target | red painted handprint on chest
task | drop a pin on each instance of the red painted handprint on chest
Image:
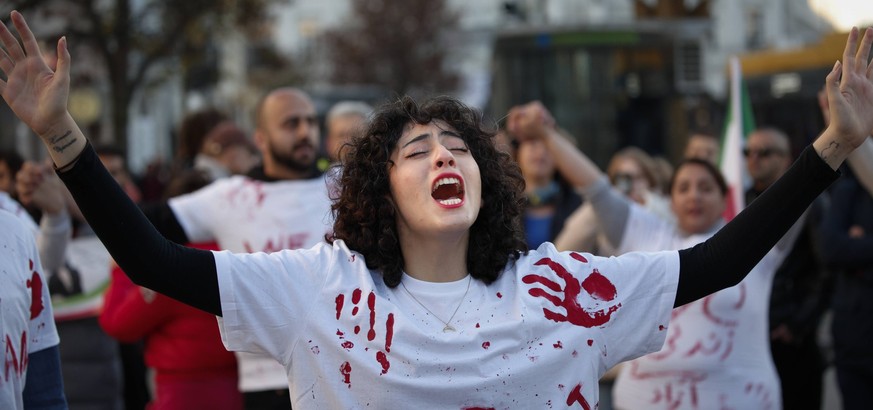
(587, 310)
(381, 357)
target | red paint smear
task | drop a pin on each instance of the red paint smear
(348, 345)
(578, 257)
(356, 296)
(346, 371)
(590, 342)
(477, 325)
(576, 397)
(357, 329)
(35, 285)
(340, 300)
(389, 332)
(486, 345)
(558, 345)
(661, 328)
(478, 408)
(599, 287)
(340, 333)
(382, 358)
(371, 303)
(499, 295)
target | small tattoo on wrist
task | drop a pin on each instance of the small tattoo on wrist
(832, 146)
(60, 148)
(57, 139)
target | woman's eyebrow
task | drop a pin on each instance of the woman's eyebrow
(447, 133)
(416, 139)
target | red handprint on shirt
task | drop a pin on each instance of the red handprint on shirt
(598, 288)
(381, 357)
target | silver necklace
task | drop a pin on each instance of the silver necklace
(449, 327)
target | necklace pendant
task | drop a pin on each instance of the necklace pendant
(449, 329)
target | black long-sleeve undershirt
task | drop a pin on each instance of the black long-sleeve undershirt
(182, 273)
(189, 275)
(164, 220)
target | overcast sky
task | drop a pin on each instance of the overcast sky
(845, 13)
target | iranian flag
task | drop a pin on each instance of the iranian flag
(739, 123)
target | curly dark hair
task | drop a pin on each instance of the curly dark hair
(366, 220)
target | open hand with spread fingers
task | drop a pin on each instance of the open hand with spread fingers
(36, 93)
(849, 88)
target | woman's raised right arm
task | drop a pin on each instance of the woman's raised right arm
(38, 95)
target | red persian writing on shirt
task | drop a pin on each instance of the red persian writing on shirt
(710, 335)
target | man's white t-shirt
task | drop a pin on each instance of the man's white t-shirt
(717, 351)
(52, 234)
(26, 324)
(540, 336)
(13, 207)
(246, 215)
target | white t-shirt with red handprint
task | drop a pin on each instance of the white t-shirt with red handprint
(717, 352)
(247, 215)
(26, 324)
(540, 336)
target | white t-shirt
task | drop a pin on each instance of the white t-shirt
(52, 235)
(717, 352)
(26, 324)
(245, 215)
(540, 336)
(12, 206)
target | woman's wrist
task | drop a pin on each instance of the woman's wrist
(64, 142)
(831, 148)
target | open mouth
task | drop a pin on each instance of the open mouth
(448, 190)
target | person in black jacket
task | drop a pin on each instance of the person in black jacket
(847, 233)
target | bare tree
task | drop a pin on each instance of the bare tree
(133, 37)
(396, 44)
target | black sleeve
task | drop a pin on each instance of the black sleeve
(727, 257)
(164, 220)
(150, 260)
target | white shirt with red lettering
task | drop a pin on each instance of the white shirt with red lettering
(540, 336)
(246, 215)
(26, 324)
(717, 352)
